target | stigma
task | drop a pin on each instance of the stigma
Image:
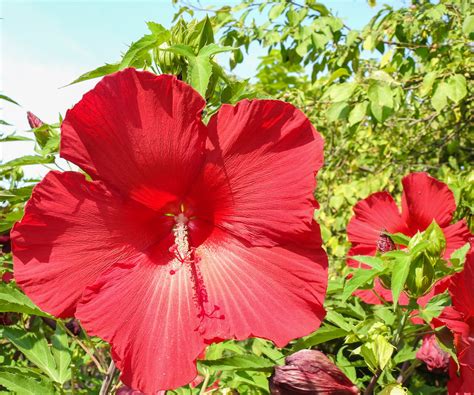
(182, 250)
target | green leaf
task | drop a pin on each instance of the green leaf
(200, 73)
(248, 362)
(468, 25)
(427, 84)
(13, 300)
(213, 49)
(323, 334)
(360, 278)
(342, 92)
(374, 262)
(34, 348)
(358, 113)
(62, 354)
(440, 98)
(457, 88)
(182, 50)
(399, 238)
(276, 11)
(24, 381)
(338, 111)
(13, 137)
(400, 270)
(98, 72)
(138, 49)
(380, 93)
(434, 307)
(339, 320)
(6, 98)
(28, 160)
(458, 257)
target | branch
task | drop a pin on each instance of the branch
(108, 378)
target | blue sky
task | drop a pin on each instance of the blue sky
(46, 44)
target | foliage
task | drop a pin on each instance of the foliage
(389, 99)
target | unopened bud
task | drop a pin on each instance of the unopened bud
(432, 355)
(385, 244)
(421, 275)
(33, 120)
(310, 372)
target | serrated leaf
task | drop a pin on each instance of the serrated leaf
(34, 348)
(14, 301)
(399, 238)
(24, 381)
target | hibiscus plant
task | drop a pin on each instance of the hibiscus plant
(188, 250)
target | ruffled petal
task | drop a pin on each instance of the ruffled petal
(71, 232)
(148, 316)
(426, 199)
(259, 175)
(139, 132)
(276, 293)
(372, 216)
(457, 235)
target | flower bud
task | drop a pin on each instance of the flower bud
(33, 120)
(385, 243)
(437, 241)
(432, 355)
(310, 372)
(421, 275)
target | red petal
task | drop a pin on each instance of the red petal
(462, 384)
(462, 289)
(71, 232)
(457, 235)
(259, 175)
(426, 199)
(138, 132)
(148, 316)
(372, 216)
(276, 293)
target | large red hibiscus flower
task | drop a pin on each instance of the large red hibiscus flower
(459, 318)
(186, 233)
(424, 199)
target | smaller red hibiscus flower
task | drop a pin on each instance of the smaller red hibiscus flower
(459, 318)
(424, 199)
(432, 355)
(310, 372)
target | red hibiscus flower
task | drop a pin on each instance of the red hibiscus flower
(424, 199)
(459, 318)
(432, 355)
(186, 233)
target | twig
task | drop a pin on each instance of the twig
(109, 376)
(373, 381)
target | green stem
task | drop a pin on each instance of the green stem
(205, 383)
